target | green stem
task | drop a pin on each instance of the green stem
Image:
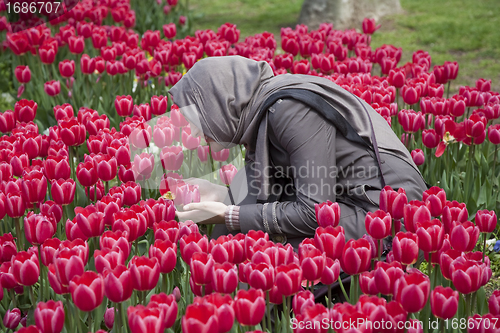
(343, 290)
(467, 305)
(268, 308)
(329, 296)
(429, 267)
(484, 244)
(20, 238)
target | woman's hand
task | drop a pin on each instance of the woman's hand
(208, 190)
(209, 212)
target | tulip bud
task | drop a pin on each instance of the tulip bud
(412, 291)
(49, 316)
(12, 318)
(356, 256)
(249, 306)
(444, 302)
(327, 213)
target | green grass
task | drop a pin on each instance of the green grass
(453, 30)
(251, 16)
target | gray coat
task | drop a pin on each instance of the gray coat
(312, 163)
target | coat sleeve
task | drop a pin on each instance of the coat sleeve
(304, 149)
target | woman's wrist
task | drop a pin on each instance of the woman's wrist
(232, 218)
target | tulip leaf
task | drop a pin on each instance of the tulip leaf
(484, 194)
(98, 315)
(482, 302)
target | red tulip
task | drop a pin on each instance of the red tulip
(166, 253)
(430, 235)
(415, 212)
(15, 205)
(200, 318)
(486, 220)
(12, 318)
(76, 44)
(52, 88)
(412, 291)
(48, 250)
(430, 138)
(289, 279)
(225, 278)
(172, 157)
(229, 32)
(163, 134)
(260, 276)
(106, 167)
(378, 224)
(201, 265)
(124, 105)
(227, 173)
(312, 261)
(7, 121)
(314, 316)
(464, 236)
(327, 213)
(169, 30)
(331, 272)
(49, 316)
(68, 263)
(367, 283)
(385, 275)
(63, 191)
(159, 104)
(73, 133)
(405, 248)
(189, 244)
(118, 285)
(356, 256)
(393, 202)
(411, 94)
(466, 275)
(38, 228)
(34, 186)
(112, 240)
(222, 249)
(129, 221)
(444, 302)
(494, 303)
(145, 272)
(131, 193)
(67, 68)
(220, 156)
(168, 305)
(7, 247)
(189, 141)
(24, 110)
(25, 268)
(369, 26)
(107, 259)
(29, 329)
(86, 173)
(87, 64)
(47, 53)
(249, 306)
(301, 301)
(418, 156)
(87, 291)
(23, 74)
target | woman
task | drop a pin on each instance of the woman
(307, 141)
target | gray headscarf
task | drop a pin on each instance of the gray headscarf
(229, 92)
(221, 88)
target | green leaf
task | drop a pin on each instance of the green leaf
(482, 302)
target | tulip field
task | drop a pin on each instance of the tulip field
(94, 157)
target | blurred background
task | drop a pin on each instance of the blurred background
(465, 31)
